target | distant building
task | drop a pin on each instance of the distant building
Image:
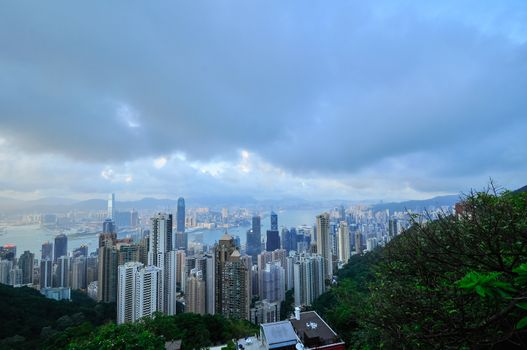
(61, 246)
(324, 244)
(195, 301)
(25, 263)
(46, 273)
(254, 239)
(62, 272)
(59, 293)
(47, 251)
(180, 222)
(111, 206)
(232, 280)
(344, 242)
(139, 292)
(308, 278)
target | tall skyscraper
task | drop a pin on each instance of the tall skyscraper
(254, 239)
(139, 291)
(108, 226)
(107, 274)
(46, 273)
(25, 263)
(273, 236)
(5, 267)
(274, 221)
(126, 291)
(392, 228)
(78, 272)
(62, 276)
(161, 254)
(232, 288)
(47, 251)
(344, 242)
(111, 206)
(61, 246)
(308, 276)
(180, 222)
(148, 286)
(358, 242)
(195, 301)
(161, 237)
(324, 244)
(273, 282)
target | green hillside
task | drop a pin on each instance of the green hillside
(459, 282)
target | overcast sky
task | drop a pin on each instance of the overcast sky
(312, 99)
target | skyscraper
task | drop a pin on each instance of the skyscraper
(62, 276)
(254, 239)
(324, 244)
(61, 246)
(107, 274)
(161, 254)
(344, 242)
(25, 263)
(195, 301)
(273, 282)
(46, 273)
(358, 242)
(273, 236)
(78, 272)
(232, 288)
(308, 276)
(108, 226)
(111, 206)
(161, 237)
(148, 287)
(140, 289)
(47, 251)
(180, 222)
(274, 221)
(126, 291)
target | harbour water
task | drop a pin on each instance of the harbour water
(31, 237)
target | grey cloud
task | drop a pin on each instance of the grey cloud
(329, 88)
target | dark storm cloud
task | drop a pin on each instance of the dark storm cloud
(322, 87)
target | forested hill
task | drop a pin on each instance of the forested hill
(456, 283)
(30, 321)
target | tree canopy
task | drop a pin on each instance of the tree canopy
(459, 281)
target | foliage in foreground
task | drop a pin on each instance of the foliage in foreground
(194, 330)
(456, 282)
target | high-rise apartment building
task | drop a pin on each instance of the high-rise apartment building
(126, 291)
(358, 242)
(344, 242)
(107, 273)
(195, 301)
(232, 286)
(273, 282)
(139, 291)
(46, 273)
(324, 244)
(78, 272)
(62, 272)
(308, 271)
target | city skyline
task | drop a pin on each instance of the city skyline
(365, 101)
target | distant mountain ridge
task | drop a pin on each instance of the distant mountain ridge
(418, 205)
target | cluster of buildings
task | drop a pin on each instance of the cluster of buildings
(158, 272)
